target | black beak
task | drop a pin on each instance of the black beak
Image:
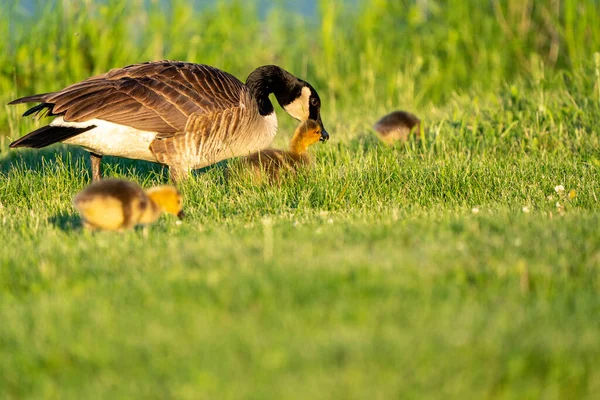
(324, 134)
(180, 214)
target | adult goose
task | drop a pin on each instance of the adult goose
(179, 114)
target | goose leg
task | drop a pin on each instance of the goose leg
(95, 160)
(178, 174)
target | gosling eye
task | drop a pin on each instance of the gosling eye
(314, 101)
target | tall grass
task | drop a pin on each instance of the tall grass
(406, 51)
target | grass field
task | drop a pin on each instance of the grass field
(449, 267)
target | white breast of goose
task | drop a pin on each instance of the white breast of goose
(112, 139)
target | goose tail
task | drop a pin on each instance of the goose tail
(47, 135)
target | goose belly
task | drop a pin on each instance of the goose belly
(111, 139)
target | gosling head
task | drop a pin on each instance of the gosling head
(168, 199)
(307, 133)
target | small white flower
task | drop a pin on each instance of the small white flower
(526, 210)
(475, 210)
(178, 222)
(559, 189)
(558, 204)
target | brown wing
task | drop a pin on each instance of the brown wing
(155, 96)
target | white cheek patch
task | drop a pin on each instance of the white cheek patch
(299, 108)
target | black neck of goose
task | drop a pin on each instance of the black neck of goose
(272, 79)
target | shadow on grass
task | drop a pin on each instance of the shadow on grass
(66, 223)
(78, 162)
(365, 141)
(369, 141)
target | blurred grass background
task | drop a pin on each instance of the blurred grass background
(404, 52)
(446, 267)
(449, 59)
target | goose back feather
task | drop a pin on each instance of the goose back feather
(154, 96)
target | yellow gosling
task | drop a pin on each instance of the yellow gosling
(116, 204)
(272, 161)
(396, 126)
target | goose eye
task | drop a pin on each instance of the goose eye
(314, 102)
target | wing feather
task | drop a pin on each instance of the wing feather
(155, 96)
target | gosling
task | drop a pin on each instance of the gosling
(274, 161)
(397, 126)
(116, 205)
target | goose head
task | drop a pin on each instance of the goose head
(303, 103)
(168, 199)
(297, 97)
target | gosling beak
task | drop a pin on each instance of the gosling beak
(324, 134)
(180, 214)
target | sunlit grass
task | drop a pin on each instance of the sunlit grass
(463, 265)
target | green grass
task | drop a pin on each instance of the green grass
(443, 268)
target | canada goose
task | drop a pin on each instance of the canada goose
(179, 114)
(115, 204)
(396, 126)
(272, 161)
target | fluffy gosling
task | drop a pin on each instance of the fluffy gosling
(273, 161)
(115, 204)
(396, 126)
